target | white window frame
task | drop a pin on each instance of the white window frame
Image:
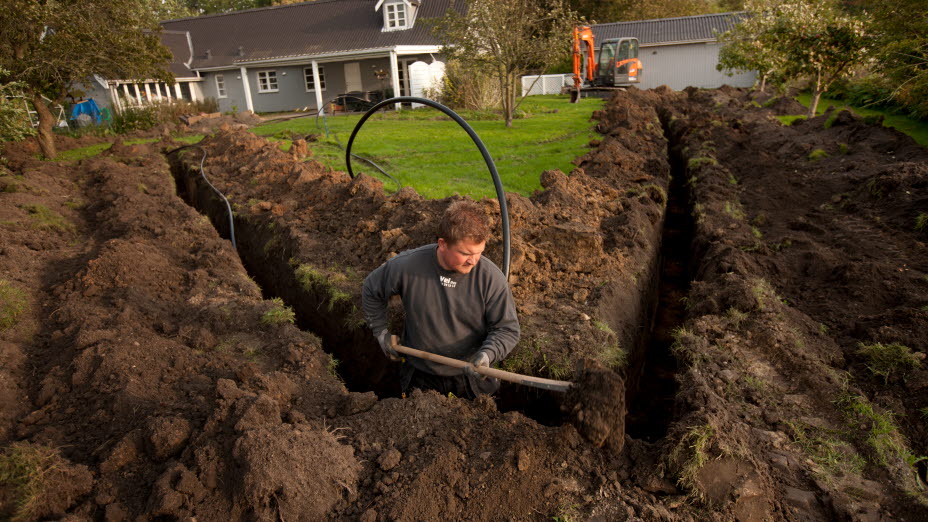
(221, 86)
(393, 14)
(265, 78)
(308, 77)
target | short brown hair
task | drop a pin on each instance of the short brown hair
(464, 220)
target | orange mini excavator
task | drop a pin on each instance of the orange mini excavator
(616, 67)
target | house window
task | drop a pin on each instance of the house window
(267, 81)
(310, 84)
(220, 86)
(396, 16)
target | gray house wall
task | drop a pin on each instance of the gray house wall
(684, 65)
(291, 87)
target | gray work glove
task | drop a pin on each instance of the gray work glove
(481, 358)
(386, 344)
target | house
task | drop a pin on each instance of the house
(118, 93)
(679, 52)
(296, 56)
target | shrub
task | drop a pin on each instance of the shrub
(14, 118)
(134, 119)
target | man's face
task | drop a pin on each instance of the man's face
(460, 257)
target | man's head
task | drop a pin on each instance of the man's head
(462, 236)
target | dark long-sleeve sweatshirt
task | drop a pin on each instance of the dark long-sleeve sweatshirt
(447, 313)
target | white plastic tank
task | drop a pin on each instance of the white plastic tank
(425, 79)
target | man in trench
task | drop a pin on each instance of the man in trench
(456, 304)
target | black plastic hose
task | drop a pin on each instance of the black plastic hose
(325, 122)
(221, 195)
(500, 195)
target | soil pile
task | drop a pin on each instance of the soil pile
(146, 376)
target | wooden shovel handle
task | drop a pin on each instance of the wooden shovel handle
(527, 380)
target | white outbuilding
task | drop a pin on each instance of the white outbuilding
(679, 52)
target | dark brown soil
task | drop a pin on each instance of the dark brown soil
(162, 384)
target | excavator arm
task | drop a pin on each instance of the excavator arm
(584, 59)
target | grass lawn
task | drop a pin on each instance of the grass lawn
(917, 129)
(425, 149)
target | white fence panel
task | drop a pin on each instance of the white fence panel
(546, 84)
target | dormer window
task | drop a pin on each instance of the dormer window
(395, 15)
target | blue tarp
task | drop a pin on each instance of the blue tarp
(88, 107)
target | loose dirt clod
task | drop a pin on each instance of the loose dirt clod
(596, 406)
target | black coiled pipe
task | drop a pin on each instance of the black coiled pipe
(500, 195)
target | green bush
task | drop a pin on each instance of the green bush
(14, 119)
(134, 119)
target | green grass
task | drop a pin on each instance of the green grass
(93, 150)
(917, 129)
(826, 449)
(789, 119)
(818, 154)
(12, 304)
(279, 313)
(43, 218)
(691, 454)
(921, 221)
(695, 163)
(431, 153)
(886, 359)
(876, 429)
(24, 471)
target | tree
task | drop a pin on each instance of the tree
(50, 46)
(901, 31)
(171, 9)
(14, 120)
(801, 39)
(507, 39)
(628, 10)
(748, 47)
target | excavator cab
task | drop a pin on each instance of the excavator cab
(614, 68)
(618, 63)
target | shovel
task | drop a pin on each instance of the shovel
(525, 380)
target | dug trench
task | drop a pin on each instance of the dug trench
(331, 310)
(164, 386)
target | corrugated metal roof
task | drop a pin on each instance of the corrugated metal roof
(311, 28)
(667, 30)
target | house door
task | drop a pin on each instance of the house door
(352, 77)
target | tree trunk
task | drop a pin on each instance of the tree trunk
(813, 105)
(816, 94)
(508, 102)
(45, 136)
(763, 83)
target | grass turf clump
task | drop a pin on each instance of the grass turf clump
(886, 359)
(43, 218)
(818, 154)
(24, 469)
(921, 222)
(279, 313)
(696, 163)
(691, 454)
(12, 304)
